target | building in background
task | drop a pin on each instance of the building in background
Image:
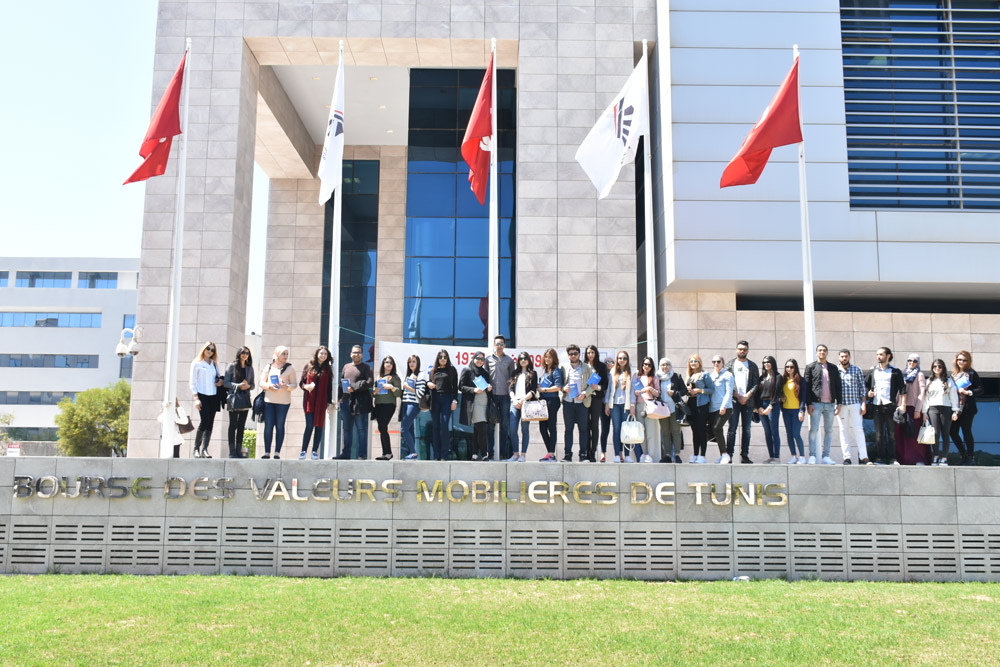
(900, 106)
(60, 320)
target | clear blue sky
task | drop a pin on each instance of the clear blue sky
(77, 97)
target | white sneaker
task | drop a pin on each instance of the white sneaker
(943, 462)
(694, 459)
(520, 459)
(792, 461)
(512, 459)
(629, 459)
(802, 460)
(618, 459)
(645, 458)
(812, 460)
(828, 461)
(701, 459)
(724, 459)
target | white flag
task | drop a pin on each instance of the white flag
(613, 141)
(331, 164)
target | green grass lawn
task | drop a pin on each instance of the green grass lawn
(59, 619)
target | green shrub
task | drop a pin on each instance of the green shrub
(250, 443)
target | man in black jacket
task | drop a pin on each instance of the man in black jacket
(747, 378)
(355, 404)
(823, 398)
(887, 391)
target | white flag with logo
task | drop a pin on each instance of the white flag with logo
(331, 164)
(613, 141)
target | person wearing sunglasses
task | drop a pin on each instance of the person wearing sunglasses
(355, 404)
(910, 451)
(940, 409)
(721, 405)
(793, 409)
(277, 379)
(575, 409)
(443, 383)
(969, 387)
(205, 382)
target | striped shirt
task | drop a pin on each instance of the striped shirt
(420, 388)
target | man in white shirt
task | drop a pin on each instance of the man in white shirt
(747, 377)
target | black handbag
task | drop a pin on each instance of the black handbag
(238, 399)
(258, 407)
(682, 412)
(492, 411)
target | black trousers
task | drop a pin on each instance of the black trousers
(237, 424)
(479, 432)
(939, 417)
(206, 420)
(383, 415)
(548, 427)
(699, 428)
(885, 432)
(962, 428)
(595, 414)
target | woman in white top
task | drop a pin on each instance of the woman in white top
(523, 387)
(205, 381)
(941, 409)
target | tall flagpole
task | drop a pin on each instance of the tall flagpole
(333, 334)
(652, 334)
(493, 318)
(169, 436)
(493, 321)
(808, 308)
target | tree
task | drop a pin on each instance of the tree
(96, 424)
(6, 419)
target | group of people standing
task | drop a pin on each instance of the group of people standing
(899, 401)
(597, 397)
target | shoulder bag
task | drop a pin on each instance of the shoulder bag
(927, 435)
(535, 411)
(657, 410)
(258, 407)
(633, 431)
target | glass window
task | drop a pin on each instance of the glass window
(3, 278)
(76, 320)
(447, 229)
(916, 72)
(44, 279)
(98, 280)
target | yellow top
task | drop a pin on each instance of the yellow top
(791, 399)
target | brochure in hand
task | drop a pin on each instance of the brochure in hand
(480, 382)
(381, 386)
(594, 379)
(411, 382)
(574, 391)
(637, 383)
(545, 382)
(274, 380)
(963, 382)
(345, 383)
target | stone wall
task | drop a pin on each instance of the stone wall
(940, 524)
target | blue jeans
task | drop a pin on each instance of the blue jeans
(741, 415)
(515, 417)
(826, 410)
(575, 414)
(274, 422)
(771, 422)
(410, 412)
(317, 438)
(354, 424)
(441, 426)
(503, 407)
(618, 415)
(793, 430)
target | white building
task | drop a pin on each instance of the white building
(60, 320)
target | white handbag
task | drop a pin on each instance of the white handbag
(927, 435)
(535, 411)
(633, 432)
(657, 410)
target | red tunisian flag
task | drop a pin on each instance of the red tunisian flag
(164, 126)
(778, 126)
(477, 144)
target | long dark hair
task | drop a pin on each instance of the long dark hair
(240, 351)
(410, 371)
(529, 371)
(447, 360)
(314, 364)
(771, 379)
(652, 367)
(944, 372)
(598, 364)
(381, 366)
(797, 378)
